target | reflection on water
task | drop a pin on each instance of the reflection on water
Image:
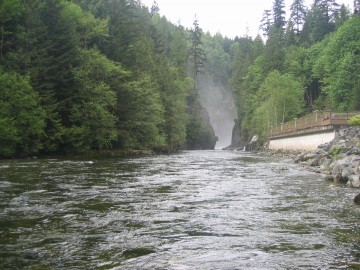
(193, 210)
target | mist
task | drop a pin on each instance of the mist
(219, 102)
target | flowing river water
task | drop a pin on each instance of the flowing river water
(191, 210)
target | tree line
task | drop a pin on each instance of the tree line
(102, 74)
(80, 75)
(309, 62)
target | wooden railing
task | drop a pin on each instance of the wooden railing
(313, 120)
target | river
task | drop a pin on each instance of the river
(191, 210)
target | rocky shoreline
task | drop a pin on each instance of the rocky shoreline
(338, 160)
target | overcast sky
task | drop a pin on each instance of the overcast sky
(229, 17)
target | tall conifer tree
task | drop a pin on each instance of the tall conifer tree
(279, 14)
(196, 53)
(298, 14)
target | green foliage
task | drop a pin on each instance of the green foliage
(102, 74)
(274, 50)
(335, 151)
(196, 53)
(199, 134)
(141, 114)
(93, 115)
(218, 61)
(341, 64)
(354, 121)
(22, 121)
(90, 29)
(279, 99)
(174, 96)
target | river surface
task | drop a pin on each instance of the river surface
(192, 210)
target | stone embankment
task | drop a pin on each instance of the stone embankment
(338, 159)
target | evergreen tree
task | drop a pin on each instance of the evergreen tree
(339, 64)
(10, 11)
(342, 16)
(290, 37)
(124, 29)
(266, 22)
(274, 50)
(323, 20)
(196, 54)
(22, 120)
(179, 51)
(356, 7)
(298, 15)
(93, 118)
(279, 14)
(155, 8)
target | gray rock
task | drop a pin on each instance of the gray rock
(357, 199)
(354, 181)
(353, 151)
(310, 156)
(337, 169)
(324, 162)
(346, 174)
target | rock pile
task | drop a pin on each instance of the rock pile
(338, 159)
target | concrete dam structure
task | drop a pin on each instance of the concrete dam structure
(308, 132)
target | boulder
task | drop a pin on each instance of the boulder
(357, 199)
(314, 162)
(346, 174)
(354, 181)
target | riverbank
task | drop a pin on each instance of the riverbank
(338, 160)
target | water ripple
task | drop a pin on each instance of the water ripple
(192, 210)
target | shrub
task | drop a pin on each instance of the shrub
(335, 151)
(354, 121)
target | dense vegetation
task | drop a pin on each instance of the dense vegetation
(80, 75)
(102, 74)
(310, 62)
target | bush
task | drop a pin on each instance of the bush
(22, 120)
(335, 151)
(354, 121)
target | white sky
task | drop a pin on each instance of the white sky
(229, 17)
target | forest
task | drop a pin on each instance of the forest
(89, 75)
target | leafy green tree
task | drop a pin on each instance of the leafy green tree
(90, 30)
(22, 121)
(279, 99)
(341, 64)
(94, 121)
(141, 115)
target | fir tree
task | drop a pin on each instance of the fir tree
(196, 53)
